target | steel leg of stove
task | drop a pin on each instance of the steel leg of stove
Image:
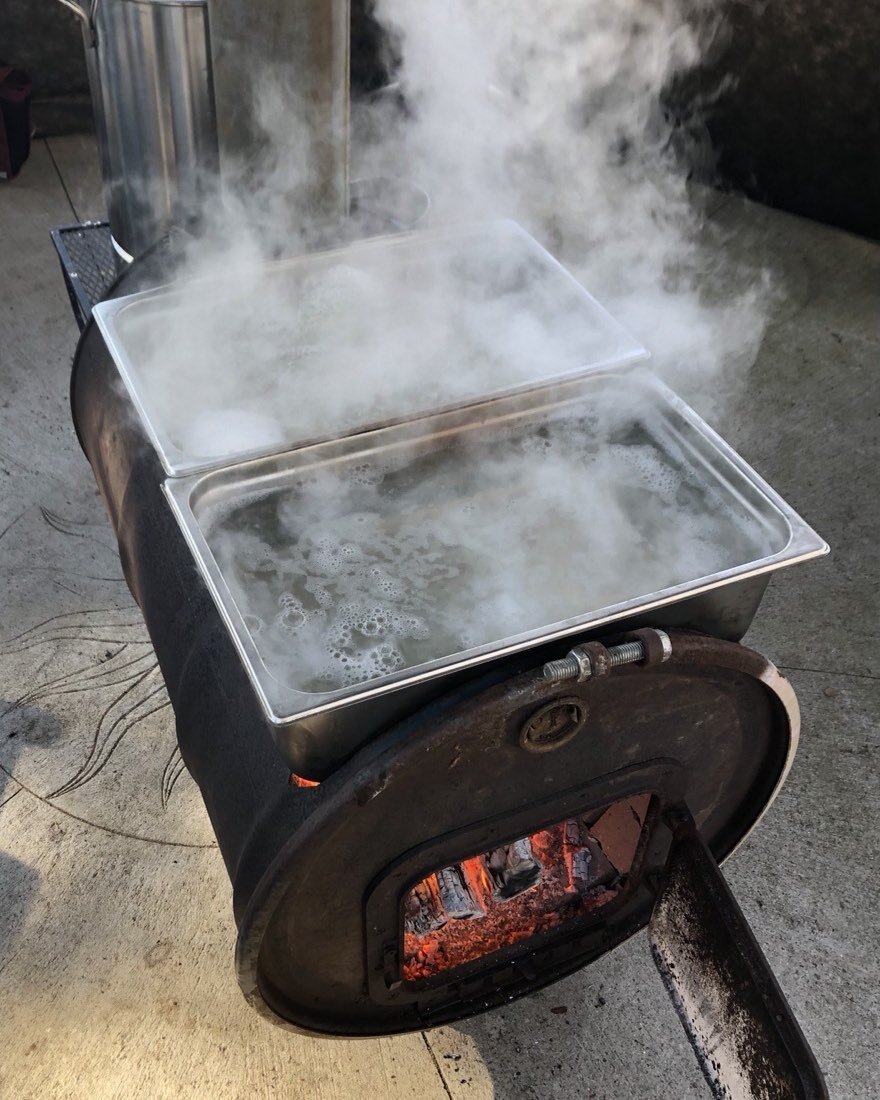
(740, 1025)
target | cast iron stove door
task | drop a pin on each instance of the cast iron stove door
(522, 826)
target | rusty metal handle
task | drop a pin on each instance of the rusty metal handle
(740, 1025)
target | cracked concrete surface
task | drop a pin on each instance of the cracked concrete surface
(116, 928)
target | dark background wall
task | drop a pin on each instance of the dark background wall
(44, 38)
(798, 125)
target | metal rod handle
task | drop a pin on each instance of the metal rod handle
(86, 15)
(740, 1025)
(78, 10)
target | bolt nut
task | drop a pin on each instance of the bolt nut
(598, 656)
(584, 663)
(657, 645)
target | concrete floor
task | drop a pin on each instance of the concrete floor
(116, 930)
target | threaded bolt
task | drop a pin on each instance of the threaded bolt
(577, 665)
(627, 654)
(566, 668)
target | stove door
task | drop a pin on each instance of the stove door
(456, 809)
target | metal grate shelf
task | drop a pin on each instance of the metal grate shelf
(89, 264)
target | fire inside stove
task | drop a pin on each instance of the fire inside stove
(568, 871)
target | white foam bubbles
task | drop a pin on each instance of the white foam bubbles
(375, 567)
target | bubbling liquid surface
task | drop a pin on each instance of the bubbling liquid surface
(362, 569)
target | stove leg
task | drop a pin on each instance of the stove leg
(740, 1025)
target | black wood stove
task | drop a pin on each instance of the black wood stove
(476, 814)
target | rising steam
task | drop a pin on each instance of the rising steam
(548, 112)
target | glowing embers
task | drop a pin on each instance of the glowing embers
(300, 781)
(570, 870)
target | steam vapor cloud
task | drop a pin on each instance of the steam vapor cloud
(549, 113)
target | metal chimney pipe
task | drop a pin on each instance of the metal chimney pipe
(302, 48)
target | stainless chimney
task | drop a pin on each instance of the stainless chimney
(297, 53)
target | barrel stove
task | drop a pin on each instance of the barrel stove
(447, 590)
(565, 751)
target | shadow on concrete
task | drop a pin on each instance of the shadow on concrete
(18, 882)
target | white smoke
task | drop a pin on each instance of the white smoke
(552, 112)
